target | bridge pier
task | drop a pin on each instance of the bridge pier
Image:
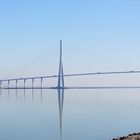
(41, 83)
(0, 84)
(33, 82)
(24, 83)
(8, 84)
(16, 84)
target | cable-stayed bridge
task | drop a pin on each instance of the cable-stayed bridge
(60, 76)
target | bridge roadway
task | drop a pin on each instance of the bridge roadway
(66, 75)
(71, 75)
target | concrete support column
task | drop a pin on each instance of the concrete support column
(24, 83)
(16, 83)
(8, 83)
(41, 82)
(33, 82)
(0, 84)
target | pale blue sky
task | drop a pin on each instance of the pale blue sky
(98, 35)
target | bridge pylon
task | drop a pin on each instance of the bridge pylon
(61, 72)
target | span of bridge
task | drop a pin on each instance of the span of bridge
(60, 77)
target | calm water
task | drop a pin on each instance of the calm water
(99, 114)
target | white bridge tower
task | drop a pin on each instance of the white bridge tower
(60, 73)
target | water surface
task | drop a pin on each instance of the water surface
(95, 114)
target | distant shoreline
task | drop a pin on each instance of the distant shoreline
(134, 136)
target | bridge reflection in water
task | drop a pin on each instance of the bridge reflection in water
(17, 97)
